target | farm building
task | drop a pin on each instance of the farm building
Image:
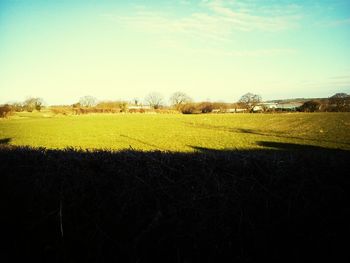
(231, 110)
(292, 106)
(139, 107)
(269, 105)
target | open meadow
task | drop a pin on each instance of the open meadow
(176, 132)
(175, 188)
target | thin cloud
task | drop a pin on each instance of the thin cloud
(339, 22)
(333, 23)
(249, 18)
(343, 77)
(340, 83)
(214, 19)
(197, 24)
(250, 53)
(263, 52)
(214, 22)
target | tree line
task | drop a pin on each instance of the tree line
(29, 105)
(179, 102)
(339, 102)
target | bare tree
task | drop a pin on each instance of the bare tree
(18, 106)
(340, 102)
(178, 99)
(154, 99)
(87, 101)
(249, 101)
(31, 104)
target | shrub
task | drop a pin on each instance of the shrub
(111, 107)
(311, 106)
(188, 108)
(17, 107)
(5, 111)
(339, 102)
(64, 110)
(31, 104)
(221, 106)
(206, 107)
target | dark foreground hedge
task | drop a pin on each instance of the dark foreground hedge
(286, 205)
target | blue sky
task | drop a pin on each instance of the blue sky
(209, 49)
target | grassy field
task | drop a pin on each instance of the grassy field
(223, 188)
(175, 132)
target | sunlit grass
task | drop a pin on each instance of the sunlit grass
(176, 132)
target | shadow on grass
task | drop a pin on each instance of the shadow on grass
(297, 147)
(269, 133)
(207, 206)
(272, 147)
(5, 141)
(142, 142)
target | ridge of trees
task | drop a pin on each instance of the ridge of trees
(29, 105)
(180, 102)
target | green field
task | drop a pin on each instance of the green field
(279, 193)
(176, 132)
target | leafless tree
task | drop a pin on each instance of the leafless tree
(154, 99)
(178, 99)
(340, 102)
(87, 101)
(31, 104)
(249, 101)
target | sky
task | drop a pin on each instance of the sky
(215, 50)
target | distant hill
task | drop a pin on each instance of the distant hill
(295, 100)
